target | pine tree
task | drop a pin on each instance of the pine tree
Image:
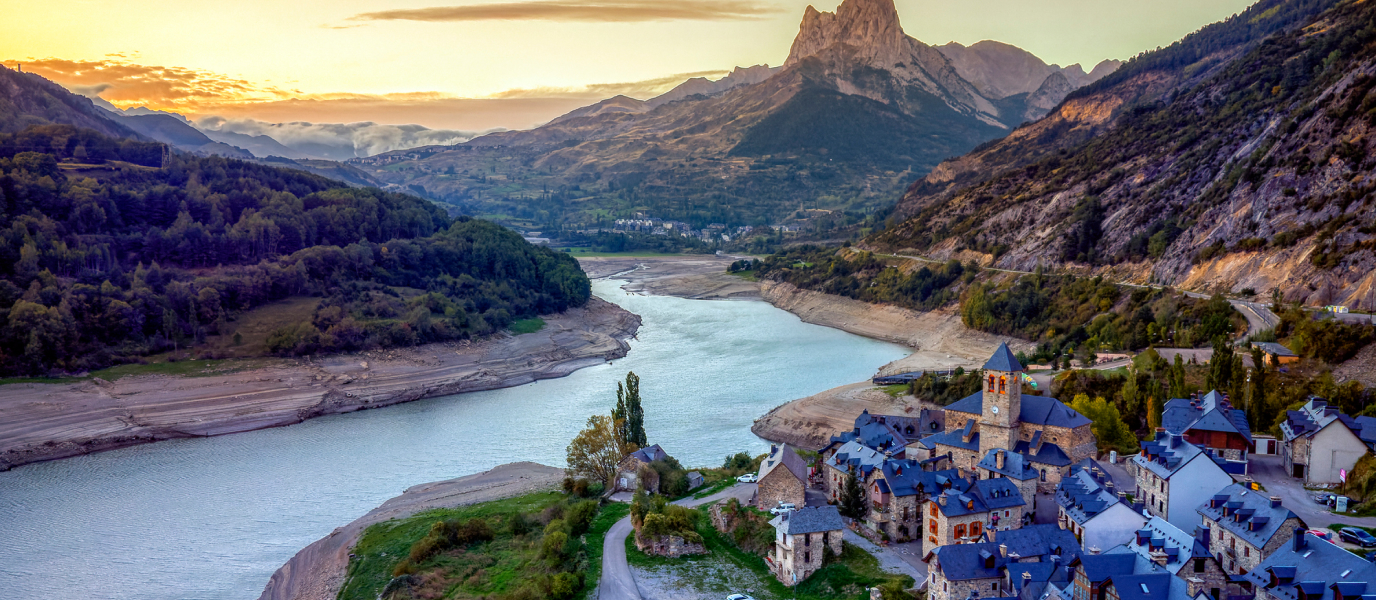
(620, 415)
(853, 499)
(1256, 407)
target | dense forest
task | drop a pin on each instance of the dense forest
(112, 250)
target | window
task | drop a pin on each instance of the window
(960, 531)
(933, 511)
(975, 529)
(1003, 384)
(807, 539)
(1198, 565)
(807, 557)
(931, 526)
(994, 586)
(1246, 551)
(991, 383)
(1005, 513)
(1043, 470)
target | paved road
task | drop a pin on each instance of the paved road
(617, 583)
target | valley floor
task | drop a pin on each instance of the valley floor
(45, 421)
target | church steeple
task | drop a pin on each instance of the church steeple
(1002, 400)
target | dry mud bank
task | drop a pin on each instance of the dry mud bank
(317, 571)
(692, 276)
(48, 421)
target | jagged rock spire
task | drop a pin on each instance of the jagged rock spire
(871, 27)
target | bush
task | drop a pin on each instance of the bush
(579, 516)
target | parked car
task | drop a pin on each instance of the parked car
(1326, 499)
(782, 508)
(748, 478)
(739, 597)
(1323, 534)
(1360, 537)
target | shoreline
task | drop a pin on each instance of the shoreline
(41, 421)
(317, 572)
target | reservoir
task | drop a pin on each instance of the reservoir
(212, 518)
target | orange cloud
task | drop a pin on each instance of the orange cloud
(126, 84)
(598, 11)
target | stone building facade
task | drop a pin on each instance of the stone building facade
(1245, 527)
(802, 538)
(783, 478)
(628, 470)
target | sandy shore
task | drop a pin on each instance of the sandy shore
(317, 571)
(48, 421)
(693, 276)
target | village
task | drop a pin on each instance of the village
(1004, 494)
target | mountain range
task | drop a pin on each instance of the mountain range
(857, 111)
(1237, 159)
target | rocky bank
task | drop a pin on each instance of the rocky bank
(48, 421)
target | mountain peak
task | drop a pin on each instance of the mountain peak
(870, 26)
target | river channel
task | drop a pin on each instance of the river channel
(212, 518)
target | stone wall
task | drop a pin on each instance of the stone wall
(781, 486)
(804, 554)
(672, 546)
(939, 588)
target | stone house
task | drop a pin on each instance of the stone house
(1213, 424)
(695, 480)
(628, 470)
(897, 491)
(1183, 555)
(966, 570)
(1320, 442)
(1174, 477)
(1036, 543)
(1245, 527)
(1048, 434)
(894, 435)
(1309, 568)
(1121, 574)
(960, 517)
(850, 459)
(801, 539)
(1014, 467)
(783, 478)
(1089, 507)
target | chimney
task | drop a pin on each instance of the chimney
(941, 499)
(1159, 558)
(1123, 496)
(1108, 485)
(1026, 577)
(773, 449)
(1300, 542)
(1275, 501)
(1003, 550)
(1204, 534)
(998, 458)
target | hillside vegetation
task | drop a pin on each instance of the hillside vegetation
(1258, 176)
(106, 257)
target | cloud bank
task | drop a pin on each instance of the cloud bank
(337, 140)
(583, 11)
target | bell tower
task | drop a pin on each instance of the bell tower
(999, 424)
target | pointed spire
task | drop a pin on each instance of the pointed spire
(1003, 360)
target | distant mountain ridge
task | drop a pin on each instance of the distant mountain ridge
(856, 109)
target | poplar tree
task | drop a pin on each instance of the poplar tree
(629, 413)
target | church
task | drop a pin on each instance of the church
(1047, 434)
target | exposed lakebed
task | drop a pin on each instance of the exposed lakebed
(214, 517)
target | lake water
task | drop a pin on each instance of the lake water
(214, 517)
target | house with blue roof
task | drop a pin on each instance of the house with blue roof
(1174, 477)
(1308, 568)
(1049, 435)
(1212, 423)
(1245, 526)
(1027, 564)
(1015, 467)
(1181, 554)
(898, 489)
(967, 570)
(851, 459)
(1120, 574)
(1097, 514)
(896, 434)
(801, 539)
(1320, 442)
(961, 516)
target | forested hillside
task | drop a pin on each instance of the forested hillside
(111, 250)
(1257, 177)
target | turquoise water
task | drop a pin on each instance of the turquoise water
(214, 517)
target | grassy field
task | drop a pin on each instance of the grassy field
(254, 326)
(746, 275)
(726, 570)
(527, 326)
(607, 517)
(510, 565)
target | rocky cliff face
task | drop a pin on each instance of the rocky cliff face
(1240, 158)
(702, 86)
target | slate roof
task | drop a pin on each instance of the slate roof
(1259, 521)
(1210, 413)
(884, 432)
(1048, 454)
(854, 454)
(1015, 466)
(1274, 348)
(650, 454)
(953, 438)
(1038, 540)
(1033, 410)
(1150, 586)
(1003, 360)
(1158, 535)
(1316, 565)
(812, 519)
(1085, 495)
(788, 459)
(960, 562)
(1099, 567)
(1168, 453)
(985, 495)
(906, 478)
(1317, 414)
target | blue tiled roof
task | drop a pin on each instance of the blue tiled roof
(1259, 520)
(1003, 360)
(1048, 454)
(1038, 540)
(959, 562)
(855, 455)
(1179, 546)
(953, 438)
(985, 495)
(1317, 565)
(1033, 410)
(1099, 567)
(1083, 495)
(1210, 413)
(1015, 466)
(1169, 452)
(811, 519)
(906, 478)
(1150, 586)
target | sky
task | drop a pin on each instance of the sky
(484, 64)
